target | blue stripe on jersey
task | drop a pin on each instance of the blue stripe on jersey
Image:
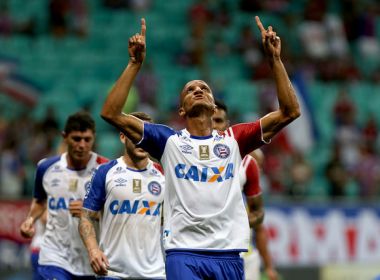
(96, 196)
(201, 137)
(155, 137)
(39, 191)
(136, 170)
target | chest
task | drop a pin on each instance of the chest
(214, 150)
(148, 185)
(67, 183)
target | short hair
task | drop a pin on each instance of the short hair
(79, 121)
(142, 116)
(221, 105)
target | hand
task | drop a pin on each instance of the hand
(136, 45)
(27, 228)
(271, 42)
(271, 274)
(98, 261)
(75, 208)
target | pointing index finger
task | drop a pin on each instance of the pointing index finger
(143, 27)
(259, 24)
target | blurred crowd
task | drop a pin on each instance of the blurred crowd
(340, 46)
(23, 143)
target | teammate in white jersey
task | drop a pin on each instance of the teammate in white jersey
(205, 221)
(128, 193)
(250, 185)
(60, 186)
(35, 245)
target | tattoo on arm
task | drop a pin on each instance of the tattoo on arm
(87, 225)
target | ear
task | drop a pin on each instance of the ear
(122, 138)
(181, 112)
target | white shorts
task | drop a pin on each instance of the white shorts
(252, 265)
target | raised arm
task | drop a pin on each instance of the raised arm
(288, 105)
(112, 108)
(87, 223)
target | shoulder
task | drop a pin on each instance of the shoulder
(161, 128)
(100, 159)
(47, 162)
(244, 128)
(158, 166)
(249, 160)
(107, 165)
(250, 166)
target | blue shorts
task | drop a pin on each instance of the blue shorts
(199, 265)
(115, 278)
(51, 272)
(34, 261)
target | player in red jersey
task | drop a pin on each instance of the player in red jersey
(250, 183)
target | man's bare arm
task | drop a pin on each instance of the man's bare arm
(262, 247)
(256, 210)
(289, 108)
(112, 108)
(87, 224)
(37, 208)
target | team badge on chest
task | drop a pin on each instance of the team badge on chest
(221, 151)
(73, 185)
(154, 188)
(137, 185)
(204, 152)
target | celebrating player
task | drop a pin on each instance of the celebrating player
(249, 182)
(205, 221)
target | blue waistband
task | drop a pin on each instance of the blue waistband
(205, 253)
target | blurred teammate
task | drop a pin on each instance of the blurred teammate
(128, 193)
(40, 226)
(249, 181)
(205, 221)
(35, 245)
(60, 186)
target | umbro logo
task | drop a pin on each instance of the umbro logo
(120, 182)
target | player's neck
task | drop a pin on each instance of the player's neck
(77, 164)
(136, 163)
(200, 125)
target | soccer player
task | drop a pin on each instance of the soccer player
(35, 245)
(60, 186)
(205, 221)
(127, 193)
(249, 182)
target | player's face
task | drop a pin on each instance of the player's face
(132, 151)
(79, 144)
(196, 94)
(219, 120)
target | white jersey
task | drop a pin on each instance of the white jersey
(62, 245)
(130, 203)
(35, 245)
(203, 208)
